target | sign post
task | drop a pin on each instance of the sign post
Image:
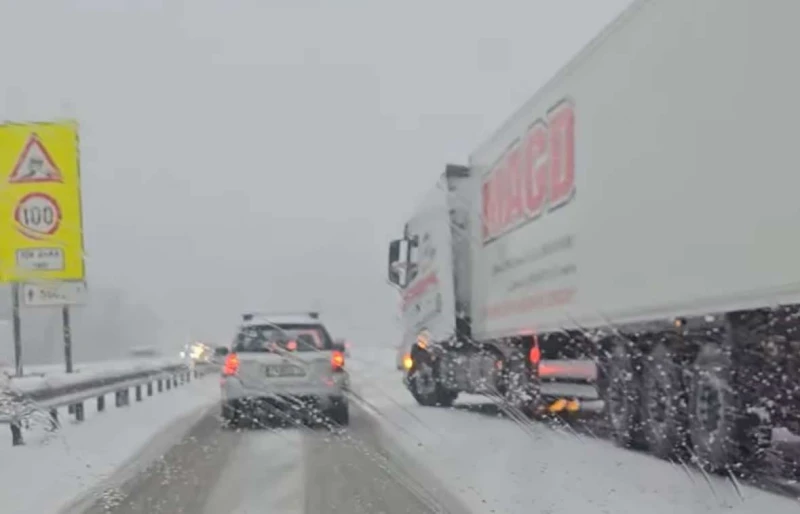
(41, 221)
(17, 326)
(67, 338)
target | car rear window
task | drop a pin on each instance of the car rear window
(270, 338)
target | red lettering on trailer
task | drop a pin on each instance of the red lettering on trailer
(513, 188)
(536, 170)
(535, 175)
(562, 154)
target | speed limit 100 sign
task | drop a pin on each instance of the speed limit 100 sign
(37, 215)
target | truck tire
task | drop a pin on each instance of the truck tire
(622, 395)
(712, 408)
(724, 436)
(520, 389)
(424, 386)
(663, 403)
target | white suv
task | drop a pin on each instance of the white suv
(280, 366)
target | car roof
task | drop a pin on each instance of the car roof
(281, 319)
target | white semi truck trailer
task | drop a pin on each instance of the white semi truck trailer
(640, 213)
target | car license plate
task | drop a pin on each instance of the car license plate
(285, 370)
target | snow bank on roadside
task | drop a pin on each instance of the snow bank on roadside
(52, 469)
(38, 377)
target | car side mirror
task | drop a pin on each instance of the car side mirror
(338, 345)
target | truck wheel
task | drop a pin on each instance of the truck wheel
(712, 408)
(519, 387)
(425, 388)
(724, 435)
(623, 396)
(663, 403)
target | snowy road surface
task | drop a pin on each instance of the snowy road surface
(284, 470)
(396, 457)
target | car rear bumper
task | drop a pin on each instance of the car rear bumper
(322, 396)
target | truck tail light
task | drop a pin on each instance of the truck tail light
(231, 366)
(535, 355)
(337, 360)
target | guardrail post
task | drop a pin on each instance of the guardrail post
(101, 403)
(53, 419)
(175, 380)
(160, 385)
(169, 383)
(117, 398)
(126, 396)
(138, 393)
(149, 389)
(79, 411)
(16, 433)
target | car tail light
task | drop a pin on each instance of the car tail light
(337, 360)
(231, 366)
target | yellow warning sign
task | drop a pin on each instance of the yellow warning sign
(41, 225)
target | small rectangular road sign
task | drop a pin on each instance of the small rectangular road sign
(53, 294)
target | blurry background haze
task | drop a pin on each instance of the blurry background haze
(248, 154)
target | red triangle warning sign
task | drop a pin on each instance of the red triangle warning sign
(34, 164)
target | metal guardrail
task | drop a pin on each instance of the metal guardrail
(17, 409)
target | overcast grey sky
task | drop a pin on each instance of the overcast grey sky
(248, 154)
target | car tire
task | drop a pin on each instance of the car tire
(339, 414)
(231, 415)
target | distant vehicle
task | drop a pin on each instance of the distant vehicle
(281, 365)
(197, 352)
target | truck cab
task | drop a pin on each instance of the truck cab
(431, 268)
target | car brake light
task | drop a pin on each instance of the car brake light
(231, 366)
(337, 360)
